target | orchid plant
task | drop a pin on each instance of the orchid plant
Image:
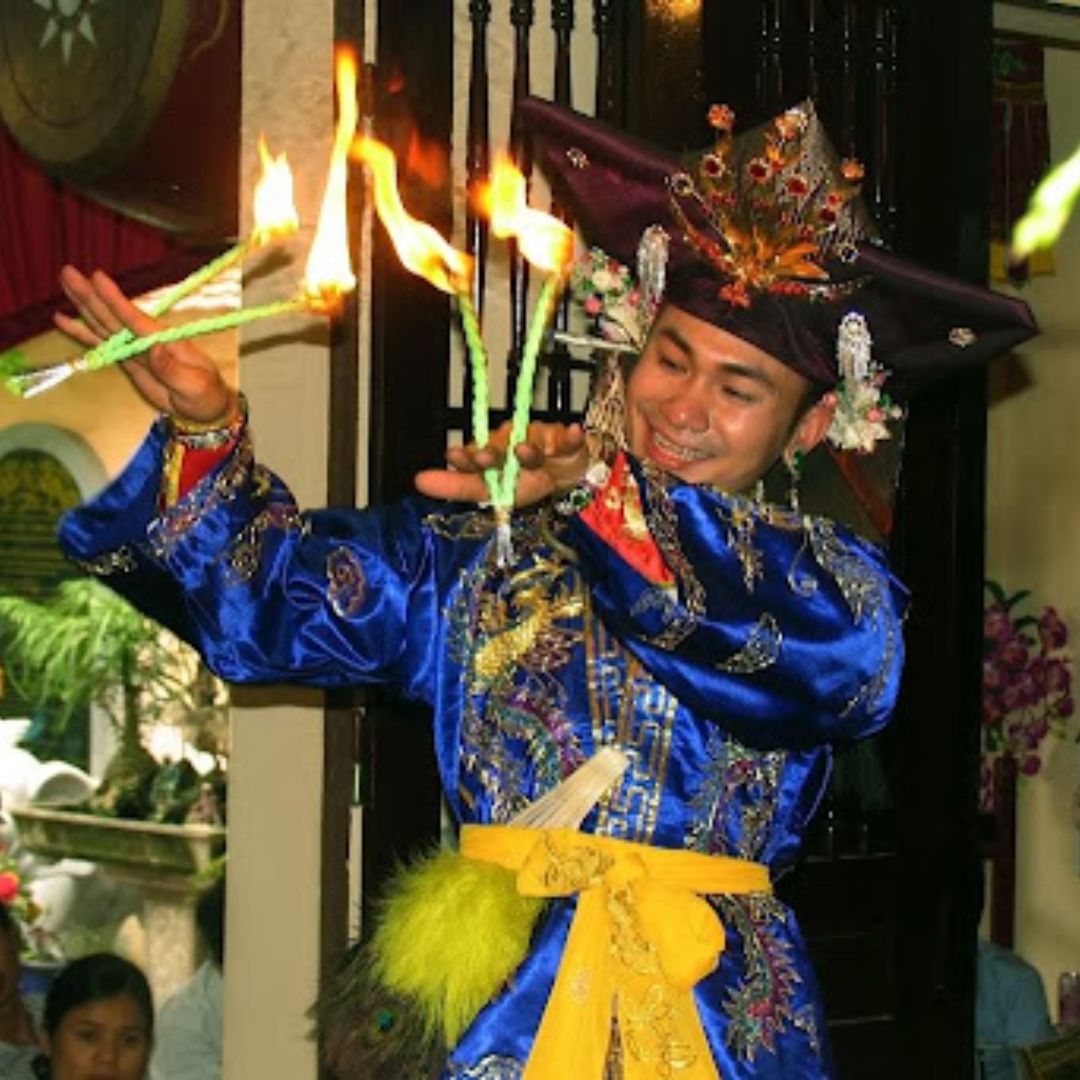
(1027, 682)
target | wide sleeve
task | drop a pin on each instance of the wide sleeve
(267, 593)
(786, 629)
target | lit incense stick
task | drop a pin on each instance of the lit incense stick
(275, 218)
(1048, 209)
(199, 327)
(478, 360)
(547, 243)
(28, 384)
(424, 252)
(524, 387)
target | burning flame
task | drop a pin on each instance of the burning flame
(329, 273)
(420, 248)
(545, 241)
(427, 161)
(274, 209)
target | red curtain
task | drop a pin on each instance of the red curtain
(44, 224)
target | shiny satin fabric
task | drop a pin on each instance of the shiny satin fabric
(641, 939)
(781, 635)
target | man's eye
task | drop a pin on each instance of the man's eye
(671, 363)
(737, 394)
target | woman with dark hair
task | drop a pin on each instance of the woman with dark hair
(99, 1021)
(19, 1044)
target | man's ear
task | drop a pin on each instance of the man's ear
(813, 425)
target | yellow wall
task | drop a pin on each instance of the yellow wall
(102, 407)
(1033, 541)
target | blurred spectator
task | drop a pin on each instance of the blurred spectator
(99, 1021)
(1010, 1002)
(19, 1045)
(189, 1036)
(1010, 1011)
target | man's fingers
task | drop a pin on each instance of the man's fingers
(473, 459)
(147, 384)
(452, 486)
(552, 446)
(530, 455)
(121, 309)
(566, 440)
(553, 457)
(93, 311)
(77, 330)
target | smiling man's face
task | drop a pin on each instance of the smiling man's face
(711, 408)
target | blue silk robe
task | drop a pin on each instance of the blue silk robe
(780, 635)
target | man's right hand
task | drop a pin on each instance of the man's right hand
(178, 378)
(554, 457)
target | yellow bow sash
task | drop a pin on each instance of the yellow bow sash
(641, 938)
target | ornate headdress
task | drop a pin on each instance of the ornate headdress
(768, 239)
(770, 222)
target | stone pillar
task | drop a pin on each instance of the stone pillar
(276, 782)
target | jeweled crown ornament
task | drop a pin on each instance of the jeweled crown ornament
(767, 222)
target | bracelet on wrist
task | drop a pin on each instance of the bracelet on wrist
(214, 434)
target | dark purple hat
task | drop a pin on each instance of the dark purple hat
(769, 241)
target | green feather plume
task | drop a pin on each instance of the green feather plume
(449, 933)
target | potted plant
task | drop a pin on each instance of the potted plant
(89, 647)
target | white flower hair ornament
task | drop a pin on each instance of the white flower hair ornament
(863, 408)
(620, 308)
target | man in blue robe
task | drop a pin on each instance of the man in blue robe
(653, 603)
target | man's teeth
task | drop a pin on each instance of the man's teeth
(675, 450)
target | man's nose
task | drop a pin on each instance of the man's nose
(687, 411)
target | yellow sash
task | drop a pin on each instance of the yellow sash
(641, 938)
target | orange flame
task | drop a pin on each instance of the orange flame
(420, 248)
(544, 240)
(329, 273)
(273, 206)
(427, 161)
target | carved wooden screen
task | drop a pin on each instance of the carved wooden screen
(887, 898)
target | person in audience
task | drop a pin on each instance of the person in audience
(188, 1042)
(1010, 1011)
(1010, 1008)
(19, 1044)
(99, 1021)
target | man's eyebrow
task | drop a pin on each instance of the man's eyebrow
(677, 339)
(745, 371)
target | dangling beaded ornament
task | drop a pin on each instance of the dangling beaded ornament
(652, 260)
(863, 409)
(794, 468)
